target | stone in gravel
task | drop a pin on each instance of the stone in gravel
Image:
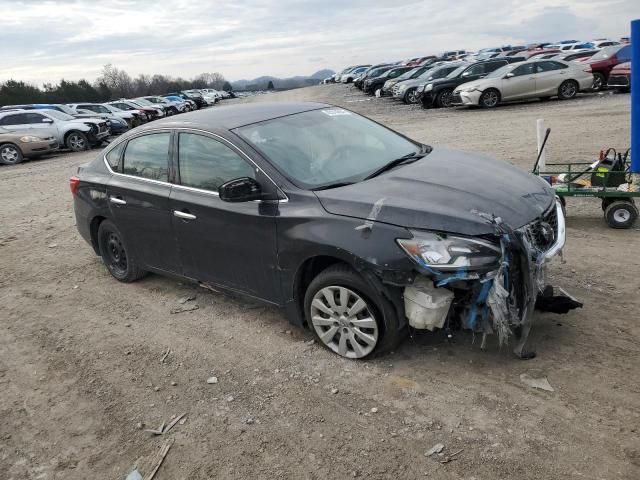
(157, 389)
(374, 410)
(184, 308)
(310, 342)
(250, 421)
(541, 383)
(127, 324)
(437, 448)
(174, 384)
(212, 380)
(139, 425)
(230, 398)
(186, 299)
(334, 390)
(288, 332)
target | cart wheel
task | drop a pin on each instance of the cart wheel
(621, 214)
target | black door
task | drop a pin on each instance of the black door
(228, 244)
(139, 200)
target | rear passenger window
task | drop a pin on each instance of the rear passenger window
(206, 163)
(148, 156)
(113, 156)
(491, 66)
(549, 66)
(624, 54)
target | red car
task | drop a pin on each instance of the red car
(418, 61)
(603, 62)
(620, 77)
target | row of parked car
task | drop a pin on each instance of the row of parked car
(32, 130)
(496, 75)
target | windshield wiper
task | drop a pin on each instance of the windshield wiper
(408, 158)
(332, 185)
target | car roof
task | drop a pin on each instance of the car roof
(234, 116)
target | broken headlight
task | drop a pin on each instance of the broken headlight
(447, 252)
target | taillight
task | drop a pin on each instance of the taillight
(74, 183)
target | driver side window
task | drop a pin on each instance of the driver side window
(526, 69)
(206, 163)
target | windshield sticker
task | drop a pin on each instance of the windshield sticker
(334, 112)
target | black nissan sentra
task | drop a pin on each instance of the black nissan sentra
(355, 230)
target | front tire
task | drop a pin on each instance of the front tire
(411, 97)
(490, 98)
(443, 99)
(116, 255)
(348, 316)
(567, 90)
(77, 142)
(10, 154)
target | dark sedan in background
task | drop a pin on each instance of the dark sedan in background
(348, 225)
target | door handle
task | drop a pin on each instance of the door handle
(117, 201)
(183, 215)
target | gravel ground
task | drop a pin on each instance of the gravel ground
(81, 375)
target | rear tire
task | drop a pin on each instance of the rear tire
(116, 255)
(621, 214)
(599, 81)
(10, 154)
(490, 98)
(354, 333)
(443, 99)
(568, 90)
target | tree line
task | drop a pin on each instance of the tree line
(113, 83)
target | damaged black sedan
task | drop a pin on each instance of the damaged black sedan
(357, 231)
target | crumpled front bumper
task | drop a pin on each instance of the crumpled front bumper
(501, 301)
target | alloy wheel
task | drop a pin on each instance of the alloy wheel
(9, 154)
(344, 322)
(490, 98)
(412, 96)
(76, 142)
(568, 90)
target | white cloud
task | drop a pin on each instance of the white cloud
(47, 40)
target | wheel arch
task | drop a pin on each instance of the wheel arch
(306, 272)
(94, 225)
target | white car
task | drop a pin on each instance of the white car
(97, 108)
(76, 134)
(524, 80)
(172, 107)
(603, 42)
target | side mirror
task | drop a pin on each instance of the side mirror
(509, 75)
(242, 189)
(46, 120)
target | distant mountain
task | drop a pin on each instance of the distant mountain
(261, 83)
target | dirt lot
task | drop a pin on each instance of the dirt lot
(80, 353)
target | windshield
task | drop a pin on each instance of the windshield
(65, 109)
(113, 108)
(606, 52)
(60, 115)
(328, 146)
(142, 101)
(457, 71)
(410, 74)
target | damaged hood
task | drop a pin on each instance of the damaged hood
(439, 192)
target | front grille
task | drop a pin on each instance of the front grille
(542, 233)
(456, 98)
(618, 81)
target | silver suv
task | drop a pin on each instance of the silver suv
(76, 134)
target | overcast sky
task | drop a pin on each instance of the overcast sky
(43, 41)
